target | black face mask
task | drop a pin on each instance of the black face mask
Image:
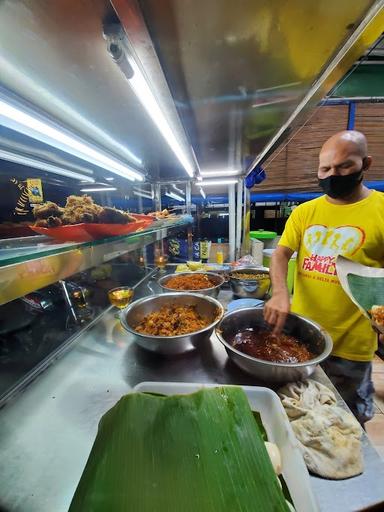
(341, 186)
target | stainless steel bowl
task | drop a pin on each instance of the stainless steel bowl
(207, 307)
(213, 291)
(307, 332)
(250, 288)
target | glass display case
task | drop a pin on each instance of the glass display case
(50, 292)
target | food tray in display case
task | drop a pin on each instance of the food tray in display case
(276, 423)
(70, 233)
(98, 231)
(91, 231)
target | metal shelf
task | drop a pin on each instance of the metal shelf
(31, 263)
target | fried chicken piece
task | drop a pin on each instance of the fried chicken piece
(86, 214)
(41, 223)
(79, 215)
(79, 201)
(113, 216)
(164, 214)
(48, 209)
(68, 217)
(54, 222)
(51, 222)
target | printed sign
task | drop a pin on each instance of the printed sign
(35, 191)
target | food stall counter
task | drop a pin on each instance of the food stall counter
(47, 432)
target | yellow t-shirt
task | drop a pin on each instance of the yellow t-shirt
(319, 231)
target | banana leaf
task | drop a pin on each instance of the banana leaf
(201, 452)
(364, 285)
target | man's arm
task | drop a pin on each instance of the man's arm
(278, 307)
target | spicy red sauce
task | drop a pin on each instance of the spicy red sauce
(262, 344)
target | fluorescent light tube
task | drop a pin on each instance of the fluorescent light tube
(178, 190)
(203, 193)
(218, 172)
(37, 164)
(68, 143)
(143, 92)
(216, 182)
(142, 193)
(172, 195)
(98, 189)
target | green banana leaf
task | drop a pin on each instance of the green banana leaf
(367, 291)
(201, 452)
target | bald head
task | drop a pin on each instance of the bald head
(348, 140)
(344, 153)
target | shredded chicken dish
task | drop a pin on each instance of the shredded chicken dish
(172, 321)
(189, 282)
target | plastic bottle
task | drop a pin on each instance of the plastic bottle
(219, 253)
(204, 250)
(196, 250)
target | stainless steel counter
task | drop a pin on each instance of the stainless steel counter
(46, 433)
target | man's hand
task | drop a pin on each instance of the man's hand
(276, 310)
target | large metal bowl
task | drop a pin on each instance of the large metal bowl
(256, 288)
(213, 291)
(207, 307)
(306, 331)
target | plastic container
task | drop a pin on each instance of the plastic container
(267, 237)
(279, 431)
(244, 303)
(267, 256)
(219, 253)
(205, 249)
(257, 247)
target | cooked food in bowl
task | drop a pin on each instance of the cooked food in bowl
(172, 321)
(201, 282)
(190, 282)
(250, 276)
(263, 344)
(310, 335)
(249, 282)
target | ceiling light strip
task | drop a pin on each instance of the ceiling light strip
(68, 143)
(37, 164)
(217, 182)
(98, 189)
(218, 172)
(143, 92)
(142, 193)
(172, 195)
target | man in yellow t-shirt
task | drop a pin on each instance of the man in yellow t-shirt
(347, 220)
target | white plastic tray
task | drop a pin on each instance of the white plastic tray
(276, 424)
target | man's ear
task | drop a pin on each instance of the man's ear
(367, 163)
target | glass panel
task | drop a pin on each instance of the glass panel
(18, 250)
(37, 325)
(211, 224)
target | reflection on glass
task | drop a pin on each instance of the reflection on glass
(161, 261)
